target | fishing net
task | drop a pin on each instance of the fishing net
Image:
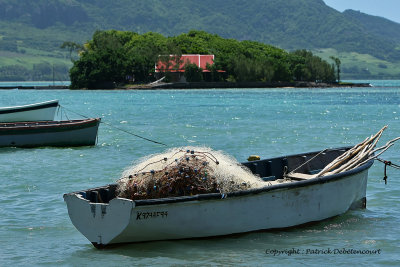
(183, 172)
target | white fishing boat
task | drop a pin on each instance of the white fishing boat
(43, 111)
(49, 133)
(285, 201)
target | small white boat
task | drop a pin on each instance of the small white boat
(44, 111)
(49, 133)
(104, 219)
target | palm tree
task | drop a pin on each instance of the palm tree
(337, 63)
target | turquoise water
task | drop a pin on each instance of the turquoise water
(34, 83)
(35, 228)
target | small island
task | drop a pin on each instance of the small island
(197, 59)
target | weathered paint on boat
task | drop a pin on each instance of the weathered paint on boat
(105, 219)
(49, 133)
(44, 111)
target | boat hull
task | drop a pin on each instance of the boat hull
(49, 133)
(44, 111)
(277, 206)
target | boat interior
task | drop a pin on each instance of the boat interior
(308, 163)
(269, 170)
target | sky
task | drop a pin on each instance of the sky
(389, 9)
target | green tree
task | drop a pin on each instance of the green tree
(103, 62)
(193, 73)
(308, 67)
(215, 75)
(71, 47)
(337, 62)
(143, 53)
(111, 56)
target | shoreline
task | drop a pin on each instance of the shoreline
(35, 87)
(230, 85)
(200, 85)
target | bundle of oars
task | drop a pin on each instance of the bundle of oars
(181, 173)
(358, 155)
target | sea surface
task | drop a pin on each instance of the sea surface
(35, 83)
(35, 228)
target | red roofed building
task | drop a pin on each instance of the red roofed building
(176, 66)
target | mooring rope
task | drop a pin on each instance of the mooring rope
(122, 130)
(390, 164)
(61, 110)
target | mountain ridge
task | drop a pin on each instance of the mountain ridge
(378, 26)
(289, 24)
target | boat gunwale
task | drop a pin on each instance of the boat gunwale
(253, 191)
(29, 107)
(37, 125)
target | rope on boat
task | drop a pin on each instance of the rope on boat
(62, 111)
(390, 164)
(144, 138)
(306, 162)
(188, 152)
(122, 130)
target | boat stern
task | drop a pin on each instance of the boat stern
(100, 223)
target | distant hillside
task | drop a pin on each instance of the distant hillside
(43, 13)
(30, 29)
(377, 26)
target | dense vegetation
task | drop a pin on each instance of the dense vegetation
(32, 31)
(111, 56)
(377, 26)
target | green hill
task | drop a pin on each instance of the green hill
(376, 26)
(31, 32)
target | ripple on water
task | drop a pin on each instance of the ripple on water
(34, 220)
